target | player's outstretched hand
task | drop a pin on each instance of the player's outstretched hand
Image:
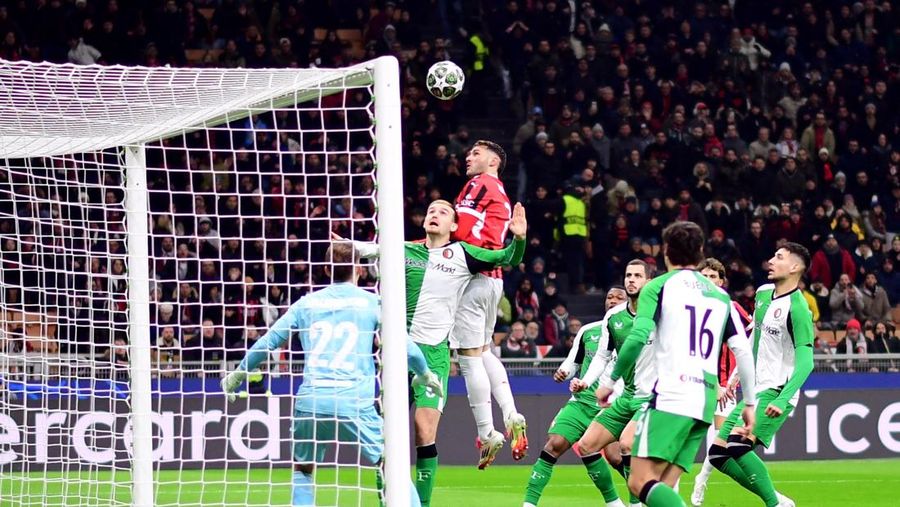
(430, 381)
(518, 225)
(749, 417)
(603, 393)
(577, 385)
(560, 375)
(231, 382)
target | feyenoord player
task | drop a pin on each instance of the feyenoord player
(689, 317)
(714, 270)
(614, 422)
(574, 418)
(436, 273)
(783, 338)
(484, 213)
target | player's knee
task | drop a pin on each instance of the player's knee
(738, 446)
(556, 445)
(636, 483)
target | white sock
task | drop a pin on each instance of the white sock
(478, 387)
(615, 503)
(526, 504)
(499, 383)
(705, 472)
(677, 484)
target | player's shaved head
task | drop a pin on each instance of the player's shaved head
(683, 243)
(342, 259)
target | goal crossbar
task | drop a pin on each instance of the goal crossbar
(142, 104)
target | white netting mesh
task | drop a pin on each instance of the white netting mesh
(247, 173)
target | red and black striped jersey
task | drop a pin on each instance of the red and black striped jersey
(727, 362)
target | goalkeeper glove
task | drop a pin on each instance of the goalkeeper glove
(430, 381)
(231, 382)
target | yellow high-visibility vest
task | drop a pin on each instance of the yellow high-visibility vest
(574, 216)
(481, 52)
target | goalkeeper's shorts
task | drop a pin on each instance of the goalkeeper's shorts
(314, 435)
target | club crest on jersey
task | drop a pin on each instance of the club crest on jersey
(447, 253)
(778, 313)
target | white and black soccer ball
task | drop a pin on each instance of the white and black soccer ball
(445, 80)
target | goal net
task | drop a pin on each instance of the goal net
(154, 223)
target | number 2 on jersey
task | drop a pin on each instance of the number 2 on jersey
(705, 338)
(322, 333)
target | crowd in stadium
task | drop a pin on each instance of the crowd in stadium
(762, 121)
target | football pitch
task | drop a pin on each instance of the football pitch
(812, 483)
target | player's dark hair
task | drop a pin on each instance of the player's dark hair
(800, 251)
(496, 149)
(683, 243)
(648, 271)
(342, 259)
(713, 264)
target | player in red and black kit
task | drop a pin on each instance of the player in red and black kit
(484, 212)
(715, 271)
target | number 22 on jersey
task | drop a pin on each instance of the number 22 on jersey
(333, 344)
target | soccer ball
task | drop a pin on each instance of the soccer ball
(445, 80)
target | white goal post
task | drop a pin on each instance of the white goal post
(153, 223)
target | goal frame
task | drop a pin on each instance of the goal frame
(384, 75)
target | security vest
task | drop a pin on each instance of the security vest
(574, 216)
(481, 52)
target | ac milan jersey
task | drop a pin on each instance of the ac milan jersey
(727, 362)
(484, 212)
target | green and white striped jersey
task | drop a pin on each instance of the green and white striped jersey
(435, 279)
(781, 325)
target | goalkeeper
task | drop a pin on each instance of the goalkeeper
(336, 401)
(436, 274)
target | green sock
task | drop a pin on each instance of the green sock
(379, 485)
(600, 476)
(426, 470)
(540, 476)
(661, 495)
(759, 480)
(626, 473)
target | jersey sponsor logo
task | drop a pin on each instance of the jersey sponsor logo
(447, 253)
(443, 268)
(695, 380)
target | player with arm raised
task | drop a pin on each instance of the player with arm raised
(484, 211)
(688, 317)
(336, 400)
(574, 418)
(715, 271)
(783, 338)
(613, 423)
(436, 273)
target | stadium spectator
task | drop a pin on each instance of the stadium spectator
(854, 343)
(875, 301)
(846, 301)
(517, 344)
(167, 353)
(556, 325)
(830, 262)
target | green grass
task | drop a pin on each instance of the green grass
(809, 483)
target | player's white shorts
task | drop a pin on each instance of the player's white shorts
(477, 313)
(725, 411)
